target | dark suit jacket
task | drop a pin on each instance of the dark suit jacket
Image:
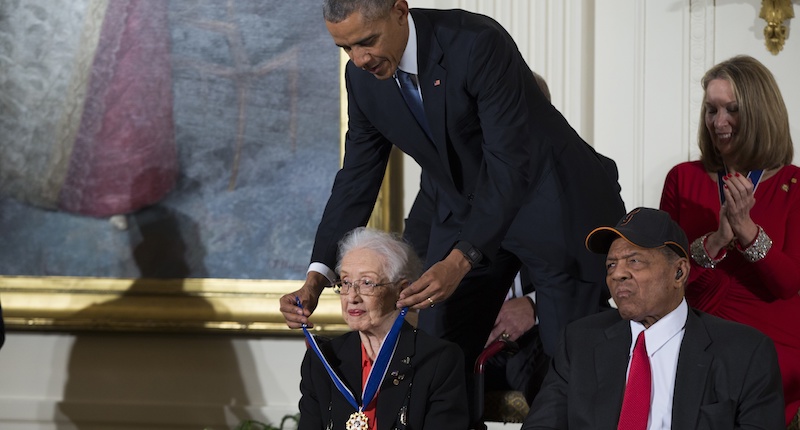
(494, 136)
(727, 377)
(430, 384)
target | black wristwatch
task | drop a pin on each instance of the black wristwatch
(471, 253)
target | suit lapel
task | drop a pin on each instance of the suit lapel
(611, 364)
(433, 82)
(397, 383)
(693, 367)
(394, 107)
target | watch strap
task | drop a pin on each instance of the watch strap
(471, 253)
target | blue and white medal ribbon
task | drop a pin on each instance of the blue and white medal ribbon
(358, 420)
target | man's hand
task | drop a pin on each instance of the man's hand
(437, 284)
(516, 317)
(309, 296)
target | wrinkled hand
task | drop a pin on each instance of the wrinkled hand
(516, 317)
(438, 283)
(309, 296)
(739, 200)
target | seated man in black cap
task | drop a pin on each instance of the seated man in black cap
(656, 363)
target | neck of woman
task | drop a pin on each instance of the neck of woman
(373, 338)
(728, 166)
(372, 344)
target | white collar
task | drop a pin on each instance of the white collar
(408, 62)
(662, 330)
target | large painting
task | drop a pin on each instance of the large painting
(157, 153)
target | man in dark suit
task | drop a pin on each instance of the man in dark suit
(517, 319)
(487, 141)
(702, 371)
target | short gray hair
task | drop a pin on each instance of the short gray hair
(672, 256)
(336, 11)
(399, 259)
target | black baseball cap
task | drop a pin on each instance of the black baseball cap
(643, 227)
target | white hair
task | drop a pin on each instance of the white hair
(399, 259)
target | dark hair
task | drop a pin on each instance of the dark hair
(763, 140)
(338, 10)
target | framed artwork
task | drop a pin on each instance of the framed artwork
(164, 165)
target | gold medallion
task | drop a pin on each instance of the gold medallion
(357, 421)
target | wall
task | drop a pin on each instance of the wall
(649, 59)
(624, 72)
(137, 381)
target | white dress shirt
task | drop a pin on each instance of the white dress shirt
(663, 340)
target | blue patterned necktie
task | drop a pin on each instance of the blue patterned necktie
(413, 99)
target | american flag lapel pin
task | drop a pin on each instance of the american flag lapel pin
(437, 82)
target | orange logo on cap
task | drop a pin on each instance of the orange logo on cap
(629, 217)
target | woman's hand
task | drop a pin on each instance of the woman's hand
(721, 238)
(739, 201)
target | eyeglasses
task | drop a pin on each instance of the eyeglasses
(363, 287)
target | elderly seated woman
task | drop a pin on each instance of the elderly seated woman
(385, 373)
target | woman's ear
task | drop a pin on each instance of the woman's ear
(402, 285)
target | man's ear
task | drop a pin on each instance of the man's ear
(682, 267)
(400, 10)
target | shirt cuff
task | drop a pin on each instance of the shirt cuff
(324, 270)
(532, 296)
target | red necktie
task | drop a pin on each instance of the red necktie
(636, 404)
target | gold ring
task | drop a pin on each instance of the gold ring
(505, 336)
(431, 302)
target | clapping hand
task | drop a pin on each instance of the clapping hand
(739, 200)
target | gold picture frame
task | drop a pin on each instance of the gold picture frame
(241, 306)
(150, 305)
